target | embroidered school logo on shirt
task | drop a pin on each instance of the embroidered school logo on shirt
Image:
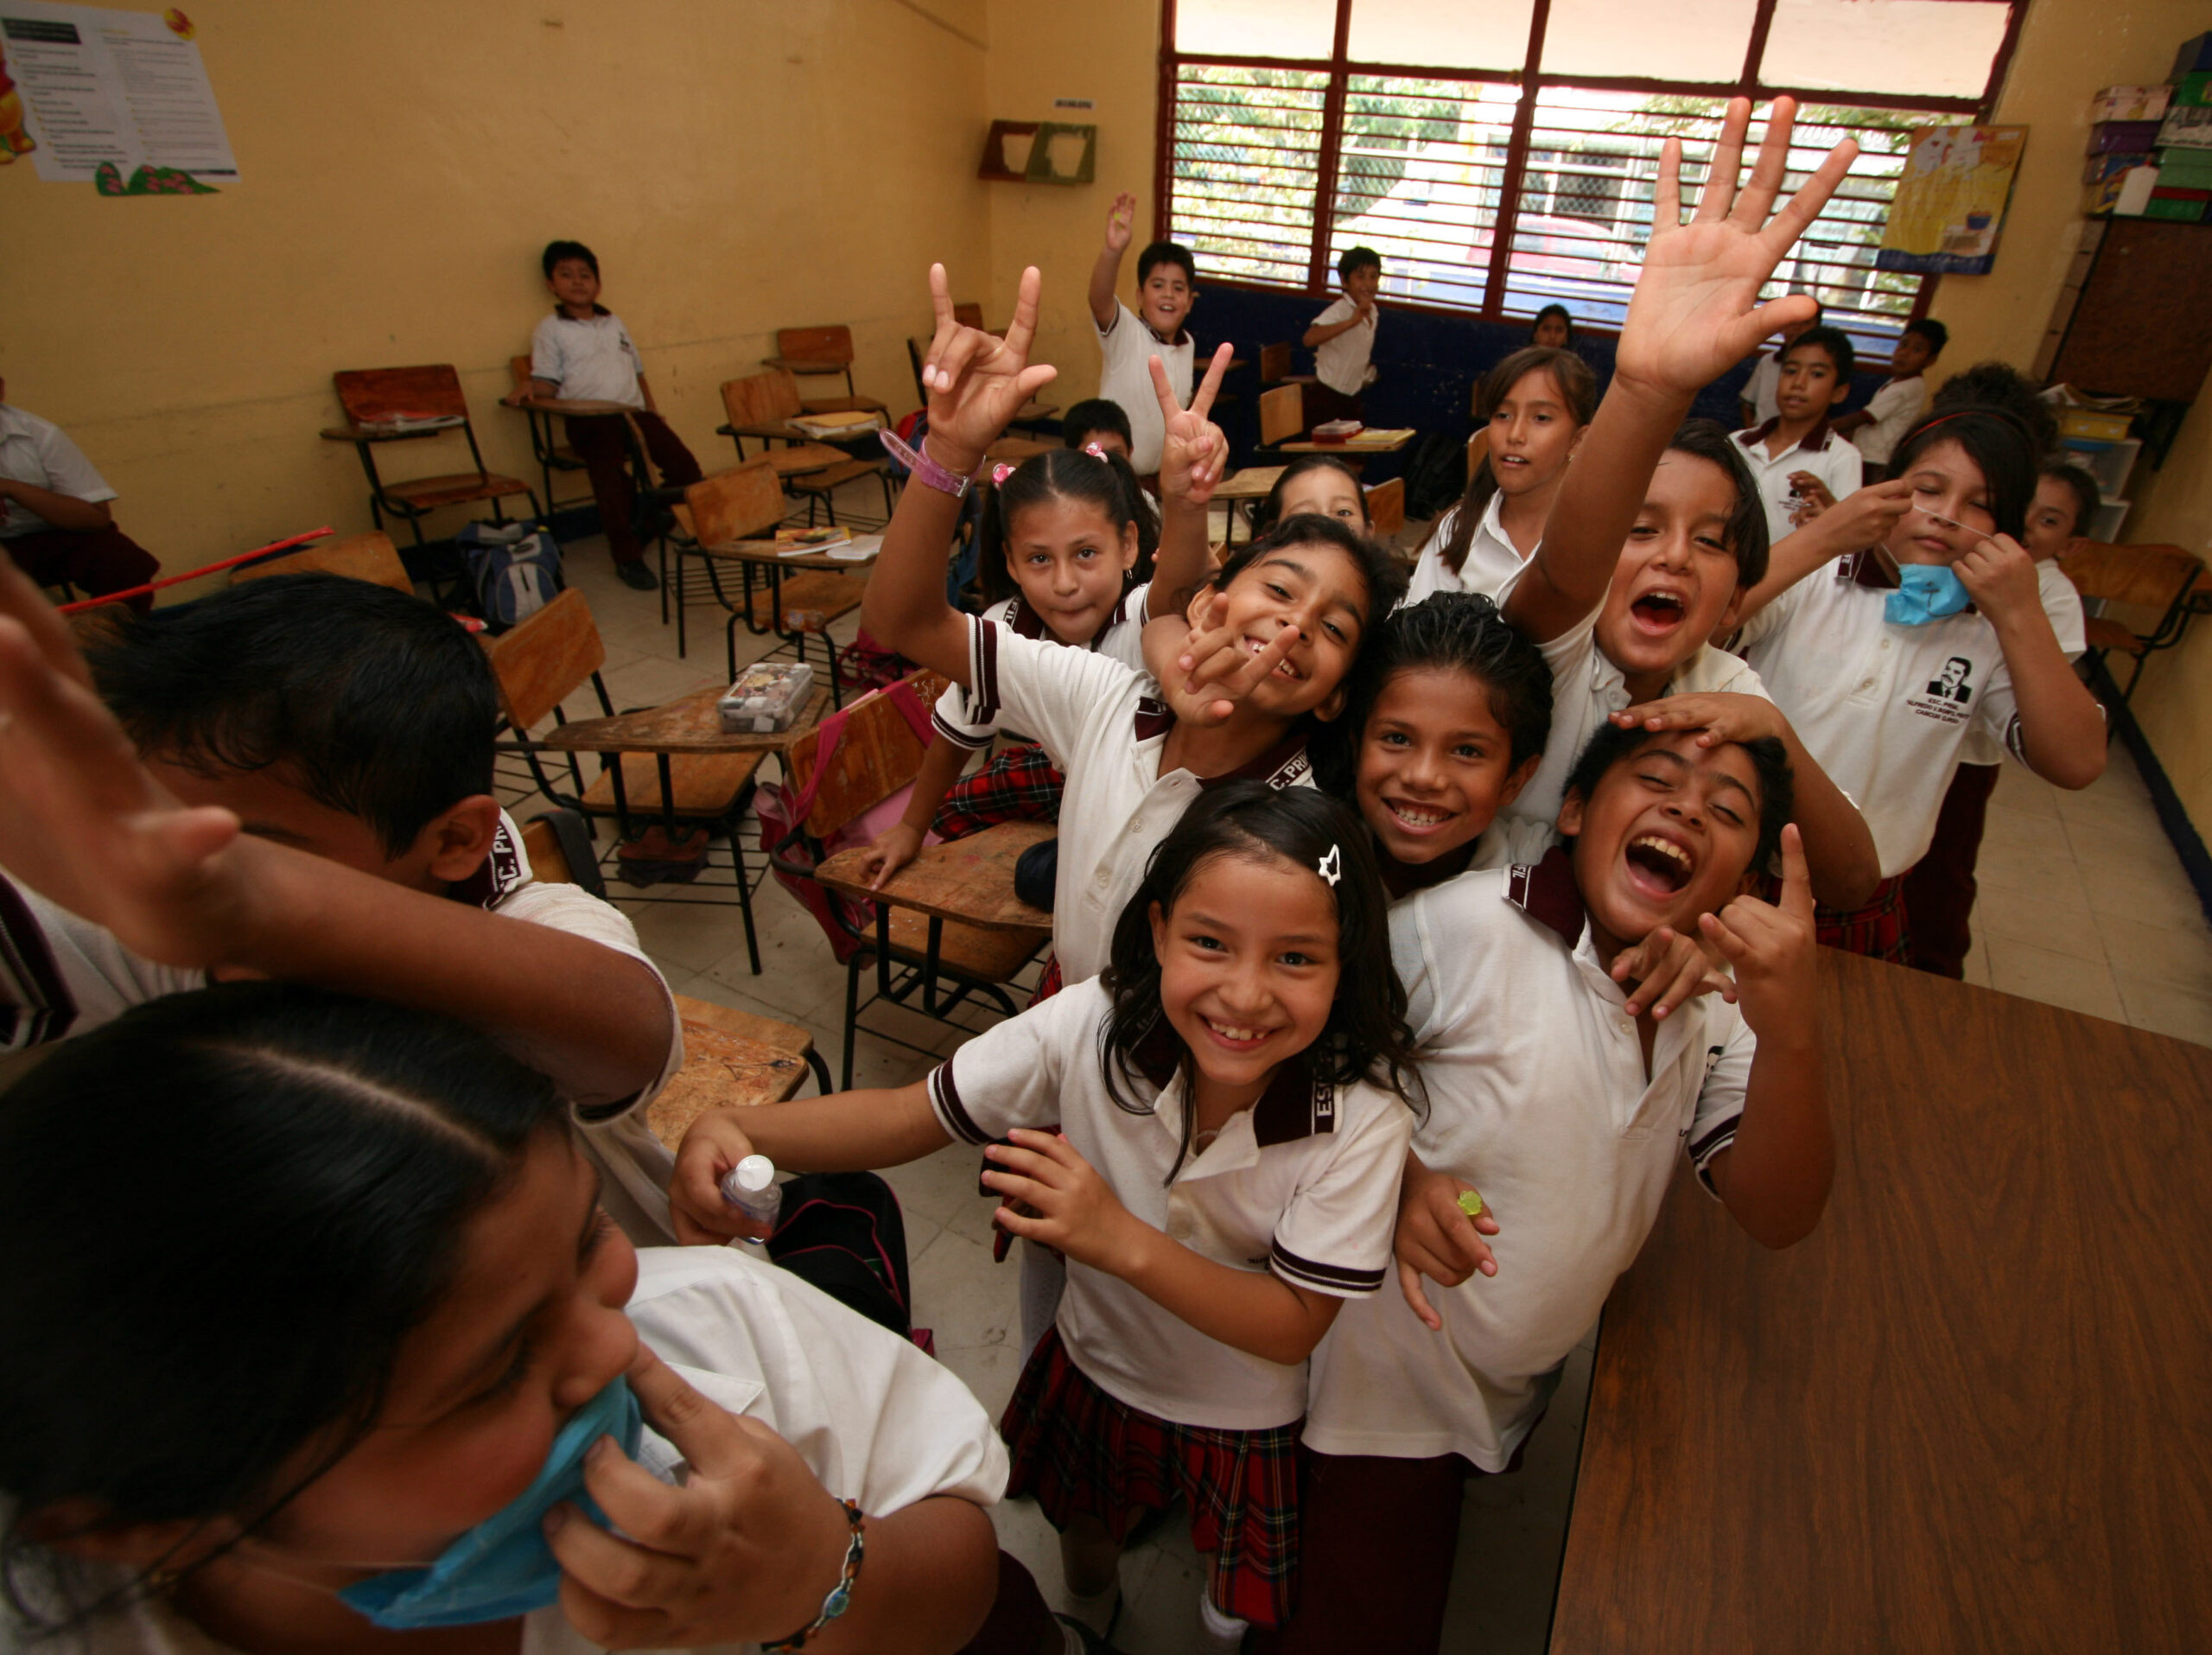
(1948, 696)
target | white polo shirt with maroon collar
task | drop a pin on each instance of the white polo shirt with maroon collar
(1121, 639)
(1103, 727)
(1303, 1184)
(1820, 451)
(1886, 710)
(1539, 1097)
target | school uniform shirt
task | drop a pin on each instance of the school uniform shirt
(1303, 1184)
(2062, 606)
(1492, 560)
(875, 1419)
(1587, 690)
(1128, 347)
(1885, 710)
(62, 976)
(591, 361)
(38, 452)
(1538, 1096)
(1820, 451)
(1342, 363)
(1103, 728)
(1122, 639)
(1760, 390)
(1895, 407)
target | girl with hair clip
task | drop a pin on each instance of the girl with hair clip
(1536, 404)
(1888, 658)
(345, 1356)
(1067, 554)
(1231, 1096)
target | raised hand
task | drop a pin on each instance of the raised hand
(1436, 1238)
(976, 382)
(1216, 670)
(1120, 223)
(1195, 452)
(1772, 946)
(1669, 970)
(84, 823)
(1695, 312)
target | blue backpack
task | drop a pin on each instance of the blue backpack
(514, 569)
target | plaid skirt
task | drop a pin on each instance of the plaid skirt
(1082, 1453)
(1021, 784)
(1878, 930)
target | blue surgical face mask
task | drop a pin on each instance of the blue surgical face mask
(502, 1567)
(1925, 592)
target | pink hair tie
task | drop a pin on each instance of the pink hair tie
(1097, 453)
(999, 473)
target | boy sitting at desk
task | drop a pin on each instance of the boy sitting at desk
(582, 352)
(54, 517)
(292, 780)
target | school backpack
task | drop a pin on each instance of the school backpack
(843, 1232)
(514, 569)
(1436, 475)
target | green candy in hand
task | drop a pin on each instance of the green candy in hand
(1470, 1203)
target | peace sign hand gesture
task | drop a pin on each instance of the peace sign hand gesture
(1695, 312)
(976, 382)
(1194, 453)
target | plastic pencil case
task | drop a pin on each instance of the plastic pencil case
(766, 698)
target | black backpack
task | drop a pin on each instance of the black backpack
(843, 1232)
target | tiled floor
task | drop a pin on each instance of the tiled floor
(2084, 904)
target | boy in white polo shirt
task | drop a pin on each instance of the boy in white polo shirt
(1902, 399)
(1342, 338)
(1167, 282)
(1796, 455)
(582, 352)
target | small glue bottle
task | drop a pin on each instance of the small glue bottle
(751, 1187)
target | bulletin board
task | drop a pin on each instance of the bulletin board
(1949, 204)
(116, 99)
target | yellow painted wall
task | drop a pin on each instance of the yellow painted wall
(2068, 50)
(1109, 52)
(737, 165)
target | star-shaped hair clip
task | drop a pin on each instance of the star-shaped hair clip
(1332, 867)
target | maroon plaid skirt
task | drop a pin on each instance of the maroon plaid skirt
(1021, 784)
(1084, 1454)
(1877, 931)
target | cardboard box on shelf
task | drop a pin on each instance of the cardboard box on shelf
(2130, 103)
(2186, 126)
(2194, 57)
(2124, 137)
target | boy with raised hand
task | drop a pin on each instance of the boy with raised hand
(1167, 282)
(1799, 461)
(292, 780)
(1564, 1111)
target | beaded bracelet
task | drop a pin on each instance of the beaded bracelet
(840, 1595)
(925, 469)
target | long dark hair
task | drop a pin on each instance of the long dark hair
(1458, 631)
(1384, 576)
(1576, 383)
(226, 1209)
(1996, 441)
(1270, 511)
(1064, 474)
(1366, 1037)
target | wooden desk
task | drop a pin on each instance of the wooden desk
(690, 724)
(1378, 442)
(729, 1057)
(581, 407)
(1973, 1411)
(970, 880)
(1239, 489)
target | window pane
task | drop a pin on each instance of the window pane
(1244, 169)
(1687, 40)
(1256, 27)
(1421, 165)
(1586, 206)
(1447, 34)
(1921, 49)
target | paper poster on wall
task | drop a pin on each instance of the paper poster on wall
(119, 99)
(1951, 201)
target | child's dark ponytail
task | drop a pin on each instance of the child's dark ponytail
(220, 1271)
(1576, 383)
(1103, 480)
(1366, 1037)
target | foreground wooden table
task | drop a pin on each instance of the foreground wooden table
(691, 723)
(968, 880)
(1974, 1411)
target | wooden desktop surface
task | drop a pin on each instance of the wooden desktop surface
(968, 880)
(690, 723)
(1974, 1410)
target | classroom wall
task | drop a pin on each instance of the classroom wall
(2068, 50)
(737, 165)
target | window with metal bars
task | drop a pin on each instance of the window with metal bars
(1536, 127)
